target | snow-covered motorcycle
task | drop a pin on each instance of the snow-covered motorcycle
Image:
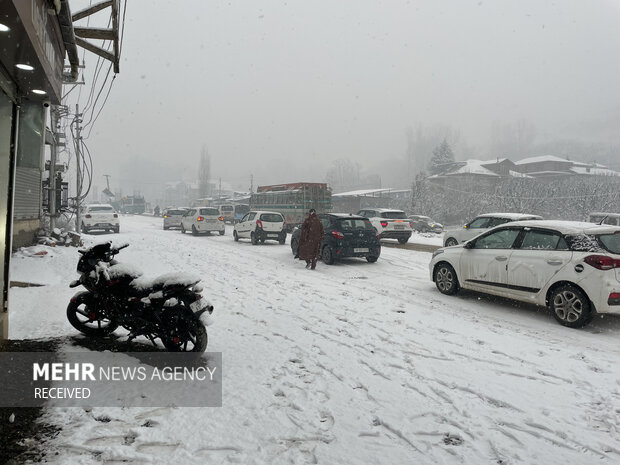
(170, 307)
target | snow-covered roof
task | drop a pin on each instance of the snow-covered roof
(516, 174)
(542, 158)
(361, 193)
(585, 169)
(512, 216)
(473, 167)
(570, 227)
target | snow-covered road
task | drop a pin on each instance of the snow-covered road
(354, 363)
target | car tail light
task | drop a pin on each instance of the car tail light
(259, 224)
(614, 295)
(284, 225)
(115, 215)
(411, 224)
(378, 238)
(221, 218)
(165, 216)
(602, 262)
(337, 235)
(384, 224)
(88, 216)
(200, 218)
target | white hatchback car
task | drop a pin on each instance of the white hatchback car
(574, 268)
(480, 224)
(203, 220)
(389, 224)
(100, 217)
(260, 226)
(173, 216)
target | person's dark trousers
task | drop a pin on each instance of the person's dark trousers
(313, 266)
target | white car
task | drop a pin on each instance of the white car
(260, 226)
(100, 217)
(574, 268)
(201, 220)
(480, 224)
(389, 224)
(173, 216)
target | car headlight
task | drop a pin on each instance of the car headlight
(437, 252)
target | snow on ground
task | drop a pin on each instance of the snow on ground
(354, 363)
(426, 238)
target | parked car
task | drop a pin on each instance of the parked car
(389, 224)
(172, 217)
(203, 220)
(604, 218)
(261, 226)
(100, 217)
(574, 268)
(481, 223)
(345, 235)
(424, 224)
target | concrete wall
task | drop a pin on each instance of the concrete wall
(24, 232)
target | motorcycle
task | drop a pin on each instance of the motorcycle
(170, 307)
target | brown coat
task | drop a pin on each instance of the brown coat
(310, 238)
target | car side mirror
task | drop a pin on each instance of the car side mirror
(469, 245)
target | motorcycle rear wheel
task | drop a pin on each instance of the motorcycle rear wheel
(86, 318)
(184, 332)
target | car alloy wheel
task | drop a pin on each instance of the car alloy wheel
(445, 279)
(570, 306)
(451, 241)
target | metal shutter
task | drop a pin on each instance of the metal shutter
(27, 193)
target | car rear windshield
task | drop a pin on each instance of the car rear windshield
(394, 215)
(271, 217)
(100, 209)
(209, 211)
(175, 212)
(227, 208)
(610, 242)
(354, 224)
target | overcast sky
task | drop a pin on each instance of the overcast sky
(280, 88)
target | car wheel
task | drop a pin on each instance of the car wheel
(194, 231)
(253, 239)
(235, 236)
(166, 227)
(450, 242)
(222, 232)
(282, 239)
(117, 230)
(182, 229)
(295, 246)
(570, 306)
(372, 258)
(446, 280)
(328, 255)
(403, 240)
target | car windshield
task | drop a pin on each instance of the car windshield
(271, 217)
(100, 209)
(209, 211)
(394, 215)
(227, 208)
(610, 242)
(354, 224)
(175, 212)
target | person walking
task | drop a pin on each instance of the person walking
(310, 239)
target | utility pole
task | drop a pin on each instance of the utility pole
(251, 183)
(78, 183)
(220, 196)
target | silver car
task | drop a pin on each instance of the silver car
(172, 217)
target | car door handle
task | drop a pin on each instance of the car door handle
(555, 262)
(501, 258)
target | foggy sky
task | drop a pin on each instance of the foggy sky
(278, 89)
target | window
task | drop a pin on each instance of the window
(502, 239)
(543, 240)
(101, 209)
(497, 221)
(251, 216)
(480, 223)
(354, 224)
(271, 217)
(394, 215)
(190, 212)
(245, 217)
(210, 211)
(610, 242)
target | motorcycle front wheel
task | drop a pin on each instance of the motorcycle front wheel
(83, 314)
(183, 331)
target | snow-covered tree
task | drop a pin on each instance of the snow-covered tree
(442, 156)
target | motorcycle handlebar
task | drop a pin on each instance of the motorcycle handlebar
(118, 249)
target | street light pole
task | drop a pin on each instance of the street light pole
(78, 193)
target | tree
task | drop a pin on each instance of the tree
(442, 155)
(204, 171)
